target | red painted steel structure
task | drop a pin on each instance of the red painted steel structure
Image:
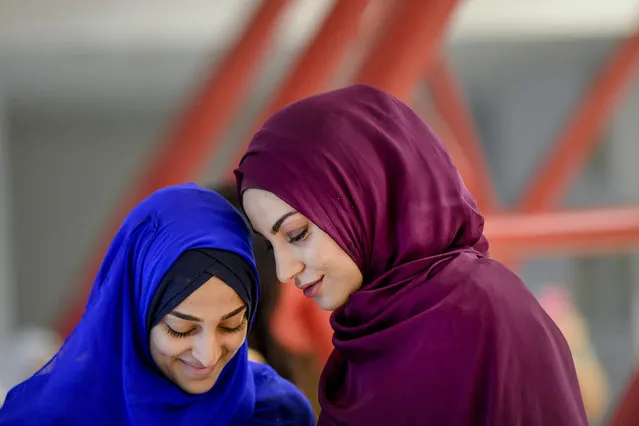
(579, 138)
(187, 151)
(374, 23)
(315, 67)
(570, 232)
(313, 71)
(411, 44)
(452, 108)
(456, 150)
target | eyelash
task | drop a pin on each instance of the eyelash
(227, 330)
(177, 334)
(237, 329)
(299, 237)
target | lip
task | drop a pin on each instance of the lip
(312, 289)
(197, 370)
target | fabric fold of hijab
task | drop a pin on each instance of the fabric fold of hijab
(104, 374)
(194, 268)
(424, 341)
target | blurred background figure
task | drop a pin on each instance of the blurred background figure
(557, 301)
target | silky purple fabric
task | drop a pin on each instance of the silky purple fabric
(439, 334)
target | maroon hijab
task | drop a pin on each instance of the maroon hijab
(439, 334)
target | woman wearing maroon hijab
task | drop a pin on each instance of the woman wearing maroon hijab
(367, 213)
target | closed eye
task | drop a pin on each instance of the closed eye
(231, 330)
(178, 334)
(299, 237)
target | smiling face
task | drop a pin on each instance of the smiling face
(192, 344)
(303, 252)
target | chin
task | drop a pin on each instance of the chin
(197, 388)
(327, 304)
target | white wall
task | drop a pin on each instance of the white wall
(7, 281)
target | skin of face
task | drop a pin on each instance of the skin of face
(303, 252)
(192, 344)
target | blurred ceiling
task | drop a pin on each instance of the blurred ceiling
(61, 51)
(126, 24)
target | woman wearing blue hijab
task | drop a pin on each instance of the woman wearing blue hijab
(163, 337)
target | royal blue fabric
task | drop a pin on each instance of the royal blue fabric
(104, 375)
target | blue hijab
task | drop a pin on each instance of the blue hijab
(104, 375)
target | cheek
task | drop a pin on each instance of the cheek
(313, 255)
(232, 342)
(330, 259)
(167, 346)
(325, 257)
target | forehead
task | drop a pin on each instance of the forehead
(213, 299)
(263, 208)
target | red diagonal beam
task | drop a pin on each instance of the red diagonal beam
(410, 45)
(571, 151)
(579, 138)
(450, 103)
(373, 25)
(189, 148)
(443, 131)
(415, 32)
(317, 64)
(577, 231)
(314, 69)
(198, 133)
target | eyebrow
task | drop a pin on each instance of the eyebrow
(187, 317)
(233, 313)
(276, 226)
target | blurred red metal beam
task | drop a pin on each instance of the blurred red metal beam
(577, 231)
(433, 118)
(449, 102)
(410, 45)
(373, 25)
(196, 137)
(579, 138)
(314, 69)
(627, 414)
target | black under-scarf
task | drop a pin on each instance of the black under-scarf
(195, 267)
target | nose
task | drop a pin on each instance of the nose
(206, 350)
(287, 265)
